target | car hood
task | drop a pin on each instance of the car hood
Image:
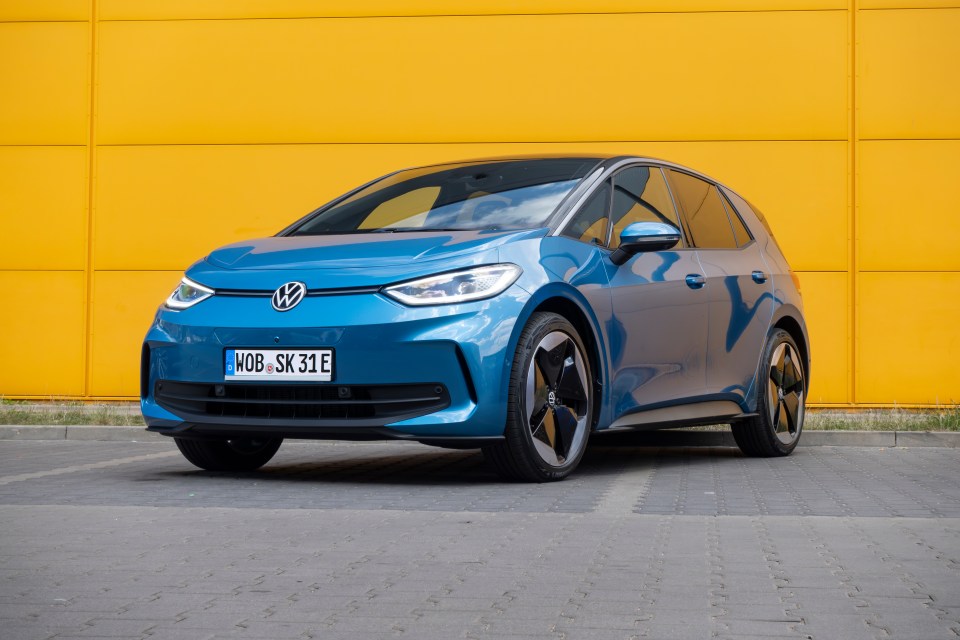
(354, 260)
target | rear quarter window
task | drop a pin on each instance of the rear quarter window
(745, 209)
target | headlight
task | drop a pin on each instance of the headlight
(457, 286)
(188, 294)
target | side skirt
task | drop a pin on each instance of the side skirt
(681, 415)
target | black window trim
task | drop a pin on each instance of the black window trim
(727, 191)
(731, 213)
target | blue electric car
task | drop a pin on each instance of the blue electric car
(514, 304)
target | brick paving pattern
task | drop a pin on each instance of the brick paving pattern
(127, 540)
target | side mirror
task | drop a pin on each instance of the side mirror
(640, 237)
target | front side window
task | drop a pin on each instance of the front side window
(511, 194)
(707, 222)
(592, 220)
(640, 194)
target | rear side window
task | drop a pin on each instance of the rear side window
(707, 221)
(640, 194)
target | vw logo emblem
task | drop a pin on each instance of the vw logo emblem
(288, 296)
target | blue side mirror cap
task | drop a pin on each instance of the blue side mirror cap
(641, 237)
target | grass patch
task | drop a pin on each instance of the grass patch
(70, 412)
(940, 419)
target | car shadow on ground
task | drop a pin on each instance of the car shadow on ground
(421, 465)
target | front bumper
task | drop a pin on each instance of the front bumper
(434, 374)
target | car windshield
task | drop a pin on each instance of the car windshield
(512, 194)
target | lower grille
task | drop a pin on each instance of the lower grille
(291, 403)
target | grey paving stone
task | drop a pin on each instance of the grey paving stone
(397, 540)
(678, 629)
(107, 433)
(107, 628)
(766, 628)
(179, 633)
(849, 438)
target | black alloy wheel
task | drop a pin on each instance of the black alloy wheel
(549, 405)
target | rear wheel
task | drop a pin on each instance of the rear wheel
(776, 429)
(549, 404)
(240, 454)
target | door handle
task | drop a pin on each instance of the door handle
(759, 277)
(696, 281)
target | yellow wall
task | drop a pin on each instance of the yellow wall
(136, 136)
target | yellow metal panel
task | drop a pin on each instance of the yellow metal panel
(24, 10)
(800, 187)
(43, 76)
(908, 72)
(162, 207)
(41, 342)
(825, 306)
(43, 207)
(690, 76)
(124, 304)
(907, 342)
(906, 4)
(908, 205)
(223, 9)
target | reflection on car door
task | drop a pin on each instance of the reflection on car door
(658, 327)
(739, 284)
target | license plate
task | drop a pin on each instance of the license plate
(278, 364)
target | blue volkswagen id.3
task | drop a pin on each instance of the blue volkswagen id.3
(515, 305)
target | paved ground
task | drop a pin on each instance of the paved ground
(115, 539)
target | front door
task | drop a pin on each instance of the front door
(658, 329)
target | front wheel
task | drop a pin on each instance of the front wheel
(775, 430)
(549, 404)
(241, 454)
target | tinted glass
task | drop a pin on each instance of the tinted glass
(739, 231)
(513, 194)
(745, 208)
(591, 222)
(703, 209)
(640, 194)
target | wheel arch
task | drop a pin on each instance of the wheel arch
(574, 311)
(790, 319)
(797, 330)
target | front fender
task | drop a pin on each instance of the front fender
(564, 298)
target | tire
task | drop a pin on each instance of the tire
(549, 404)
(782, 390)
(241, 454)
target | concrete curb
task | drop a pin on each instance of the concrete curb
(664, 438)
(928, 438)
(77, 432)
